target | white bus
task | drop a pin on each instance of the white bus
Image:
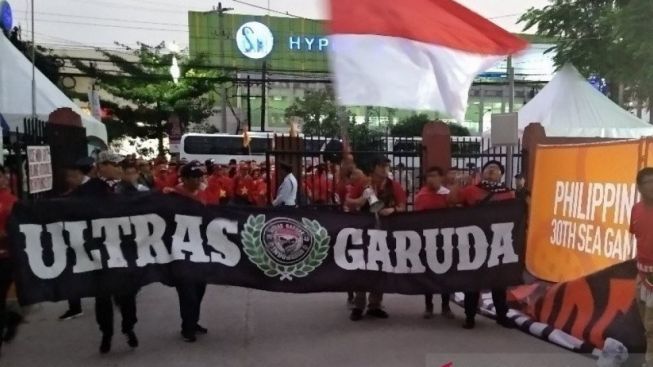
(224, 147)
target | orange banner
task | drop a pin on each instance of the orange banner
(580, 207)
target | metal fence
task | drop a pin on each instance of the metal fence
(469, 154)
(15, 158)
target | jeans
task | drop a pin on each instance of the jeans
(646, 313)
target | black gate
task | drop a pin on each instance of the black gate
(67, 144)
(469, 154)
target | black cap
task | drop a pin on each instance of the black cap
(193, 169)
(519, 176)
(495, 162)
(380, 160)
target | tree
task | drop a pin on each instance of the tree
(318, 111)
(148, 94)
(413, 126)
(605, 37)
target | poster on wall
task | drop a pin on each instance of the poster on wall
(39, 164)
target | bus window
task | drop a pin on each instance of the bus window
(211, 145)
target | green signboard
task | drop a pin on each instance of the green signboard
(285, 44)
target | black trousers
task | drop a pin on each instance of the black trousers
(190, 302)
(6, 278)
(75, 305)
(428, 301)
(498, 297)
(104, 312)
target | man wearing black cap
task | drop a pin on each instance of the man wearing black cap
(393, 197)
(109, 172)
(191, 293)
(76, 176)
(490, 189)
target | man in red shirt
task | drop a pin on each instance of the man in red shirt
(220, 186)
(319, 186)
(242, 185)
(641, 225)
(394, 200)
(191, 293)
(490, 189)
(7, 201)
(258, 189)
(434, 196)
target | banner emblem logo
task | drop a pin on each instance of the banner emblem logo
(284, 247)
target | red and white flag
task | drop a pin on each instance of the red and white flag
(412, 54)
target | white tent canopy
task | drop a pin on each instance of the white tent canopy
(570, 107)
(16, 93)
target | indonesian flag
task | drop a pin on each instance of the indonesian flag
(412, 54)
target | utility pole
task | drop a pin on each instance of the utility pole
(33, 67)
(511, 108)
(264, 88)
(249, 103)
(221, 50)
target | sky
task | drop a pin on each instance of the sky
(100, 23)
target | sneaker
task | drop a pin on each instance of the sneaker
(356, 314)
(377, 313)
(189, 337)
(428, 314)
(506, 322)
(105, 346)
(469, 324)
(70, 314)
(447, 314)
(132, 341)
(199, 329)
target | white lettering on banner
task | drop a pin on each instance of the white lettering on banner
(150, 241)
(188, 244)
(590, 218)
(341, 253)
(34, 249)
(188, 227)
(500, 251)
(227, 252)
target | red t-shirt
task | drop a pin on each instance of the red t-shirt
(398, 193)
(641, 225)
(258, 191)
(428, 199)
(473, 195)
(7, 201)
(220, 188)
(319, 186)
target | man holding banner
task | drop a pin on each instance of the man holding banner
(641, 225)
(491, 189)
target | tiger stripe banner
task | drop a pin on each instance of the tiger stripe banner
(71, 248)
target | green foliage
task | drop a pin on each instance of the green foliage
(142, 80)
(318, 111)
(413, 126)
(608, 37)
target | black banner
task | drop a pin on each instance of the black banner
(73, 248)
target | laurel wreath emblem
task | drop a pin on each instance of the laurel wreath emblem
(253, 247)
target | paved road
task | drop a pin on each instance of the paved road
(252, 328)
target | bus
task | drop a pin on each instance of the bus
(224, 147)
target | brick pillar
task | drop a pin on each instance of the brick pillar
(436, 146)
(534, 134)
